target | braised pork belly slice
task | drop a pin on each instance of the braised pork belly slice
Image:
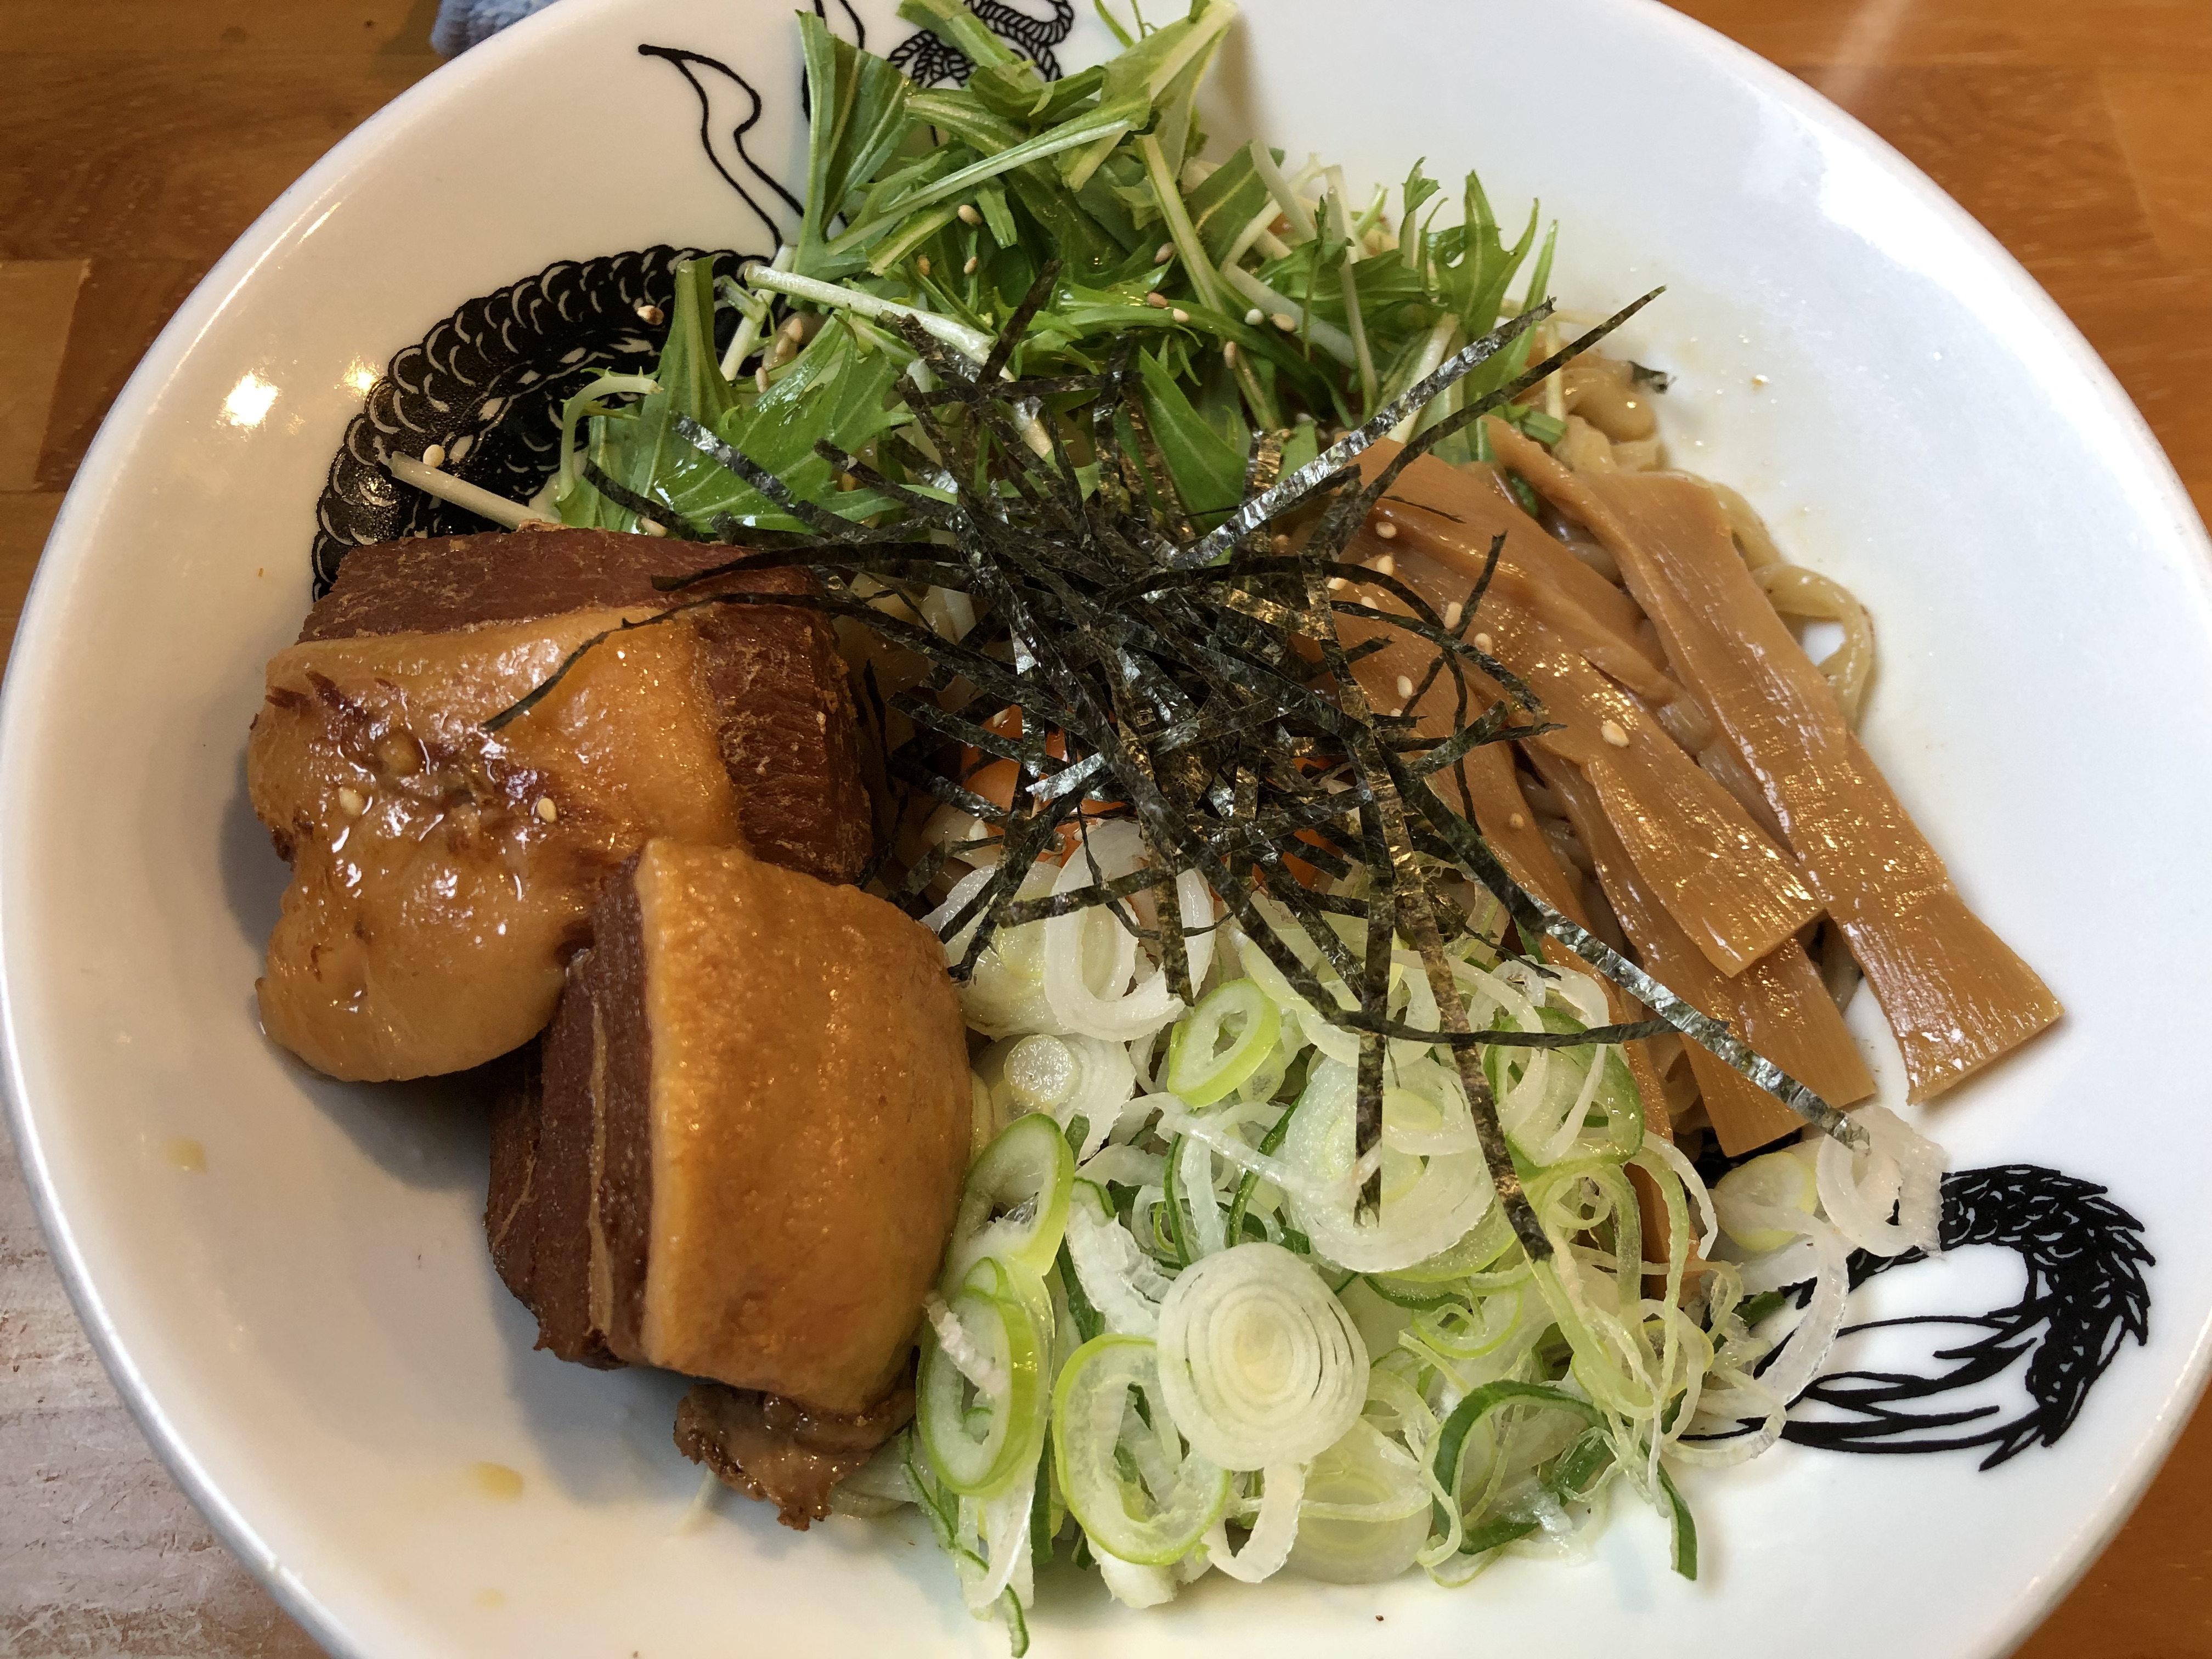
(749, 1136)
(786, 720)
(442, 875)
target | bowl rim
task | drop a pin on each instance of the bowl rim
(454, 83)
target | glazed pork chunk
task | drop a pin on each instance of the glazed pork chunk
(741, 1153)
(442, 875)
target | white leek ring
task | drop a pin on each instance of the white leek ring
(1259, 1364)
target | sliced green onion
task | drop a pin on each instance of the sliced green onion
(1428, 1205)
(1124, 1517)
(1682, 1530)
(1783, 1180)
(1201, 1070)
(1014, 1203)
(981, 1440)
(1451, 1437)
(1259, 1364)
(1274, 1529)
(1365, 1513)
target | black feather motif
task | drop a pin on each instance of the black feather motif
(2086, 1295)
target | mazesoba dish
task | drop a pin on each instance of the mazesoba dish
(1115, 854)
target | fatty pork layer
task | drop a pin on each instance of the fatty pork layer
(752, 1126)
(443, 875)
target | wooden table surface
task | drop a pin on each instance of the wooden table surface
(139, 137)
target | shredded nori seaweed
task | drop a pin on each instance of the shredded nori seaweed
(1194, 684)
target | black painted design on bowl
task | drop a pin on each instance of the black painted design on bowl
(929, 62)
(2085, 1296)
(487, 384)
(730, 106)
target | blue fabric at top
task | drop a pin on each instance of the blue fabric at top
(463, 23)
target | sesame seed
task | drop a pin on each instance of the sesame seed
(352, 802)
(434, 455)
(1284, 320)
(793, 329)
(1280, 542)
(1180, 314)
(652, 526)
(1482, 643)
(1336, 584)
(760, 376)
(1515, 821)
(1387, 531)
(968, 215)
(1254, 317)
(1166, 253)
(396, 754)
(1405, 685)
(1229, 351)
(650, 314)
(1453, 612)
(1385, 566)
(968, 269)
(1756, 379)
(1611, 731)
(1157, 301)
(922, 264)
(547, 811)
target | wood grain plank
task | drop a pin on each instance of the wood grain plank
(2164, 121)
(2169, 34)
(2149, 1596)
(37, 300)
(356, 28)
(123, 306)
(24, 521)
(2033, 153)
(2155, 333)
(2045, 158)
(170, 157)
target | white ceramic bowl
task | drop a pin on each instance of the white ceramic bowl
(309, 1328)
